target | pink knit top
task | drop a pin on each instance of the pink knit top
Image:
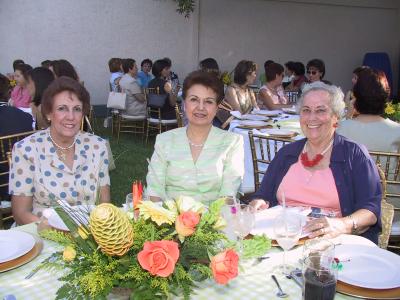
(20, 97)
(307, 188)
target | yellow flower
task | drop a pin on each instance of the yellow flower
(389, 109)
(156, 213)
(69, 253)
(83, 232)
(220, 224)
(185, 203)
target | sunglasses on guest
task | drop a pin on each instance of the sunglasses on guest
(312, 72)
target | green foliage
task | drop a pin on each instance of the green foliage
(256, 246)
(56, 236)
(185, 7)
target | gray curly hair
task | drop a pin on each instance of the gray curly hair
(336, 97)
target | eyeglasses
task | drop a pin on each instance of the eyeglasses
(311, 72)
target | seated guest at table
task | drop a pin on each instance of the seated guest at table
(38, 80)
(299, 78)
(262, 77)
(325, 170)
(20, 95)
(61, 162)
(271, 95)
(199, 160)
(172, 76)
(135, 100)
(369, 127)
(144, 76)
(210, 65)
(63, 67)
(239, 95)
(161, 70)
(289, 73)
(115, 66)
(316, 71)
(349, 98)
(46, 63)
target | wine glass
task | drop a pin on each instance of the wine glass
(243, 219)
(287, 229)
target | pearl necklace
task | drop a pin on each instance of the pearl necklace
(315, 161)
(195, 145)
(60, 149)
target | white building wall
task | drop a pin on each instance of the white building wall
(89, 32)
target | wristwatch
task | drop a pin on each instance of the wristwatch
(355, 225)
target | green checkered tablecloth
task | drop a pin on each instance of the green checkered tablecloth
(254, 281)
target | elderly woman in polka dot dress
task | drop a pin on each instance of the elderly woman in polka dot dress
(61, 162)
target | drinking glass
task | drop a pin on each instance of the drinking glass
(129, 202)
(287, 229)
(319, 278)
(242, 220)
(320, 247)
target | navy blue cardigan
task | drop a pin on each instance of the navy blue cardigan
(355, 173)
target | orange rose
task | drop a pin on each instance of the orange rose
(225, 266)
(159, 257)
(186, 222)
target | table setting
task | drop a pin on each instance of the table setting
(359, 268)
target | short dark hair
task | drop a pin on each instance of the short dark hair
(41, 77)
(298, 68)
(127, 64)
(209, 65)
(371, 92)
(4, 88)
(63, 67)
(17, 62)
(168, 60)
(318, 64)
(267, 63)
(23, 68)
(158, 66)
(60, 85)
(146, 61)
(290, 65)
(273, 70)
(207, 79)
(46, 63)
(359, 69)
(114, 64)
(242, 69)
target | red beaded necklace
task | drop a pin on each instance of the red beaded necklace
(315, 161)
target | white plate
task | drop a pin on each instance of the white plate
(280, 132)
(56, 222)
(252, 123)
(264, 223)
(268, 113)
(14, 243)
(289, 110)
(254, 117)
(369, 267)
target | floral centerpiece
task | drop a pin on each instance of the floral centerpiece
(392, 111)
(163, 251)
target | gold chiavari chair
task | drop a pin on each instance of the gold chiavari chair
(6, 144)
(292, 97)
(389, 162)
(155, 124)
(263, 150)
(179, 115)
(387, 213)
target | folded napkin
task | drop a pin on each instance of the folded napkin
(236, 114)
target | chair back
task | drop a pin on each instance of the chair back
(179, 115)
(263, 150)
(387, 213)
(292, 97)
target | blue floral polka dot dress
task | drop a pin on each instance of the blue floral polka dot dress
(37, 171)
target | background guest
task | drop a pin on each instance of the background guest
(239, 95)
(60, 162)
(262, 78)
(289, 73)
(161, 70)
(272, 95)
(172, 76)
(349, 98)
(299, 78)
(135, 100)
(210, 65)
(205, 162)
(46, 64)
(38, 80)
(20, 95)
(115, 66)
(316, 71)
(144, 76)
(63, 67)
(326, 171)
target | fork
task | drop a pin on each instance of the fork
(50, 259)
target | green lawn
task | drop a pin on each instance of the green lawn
(130, 156)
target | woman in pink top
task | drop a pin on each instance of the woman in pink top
(325, 171)
(272, 95)
(20, 96)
